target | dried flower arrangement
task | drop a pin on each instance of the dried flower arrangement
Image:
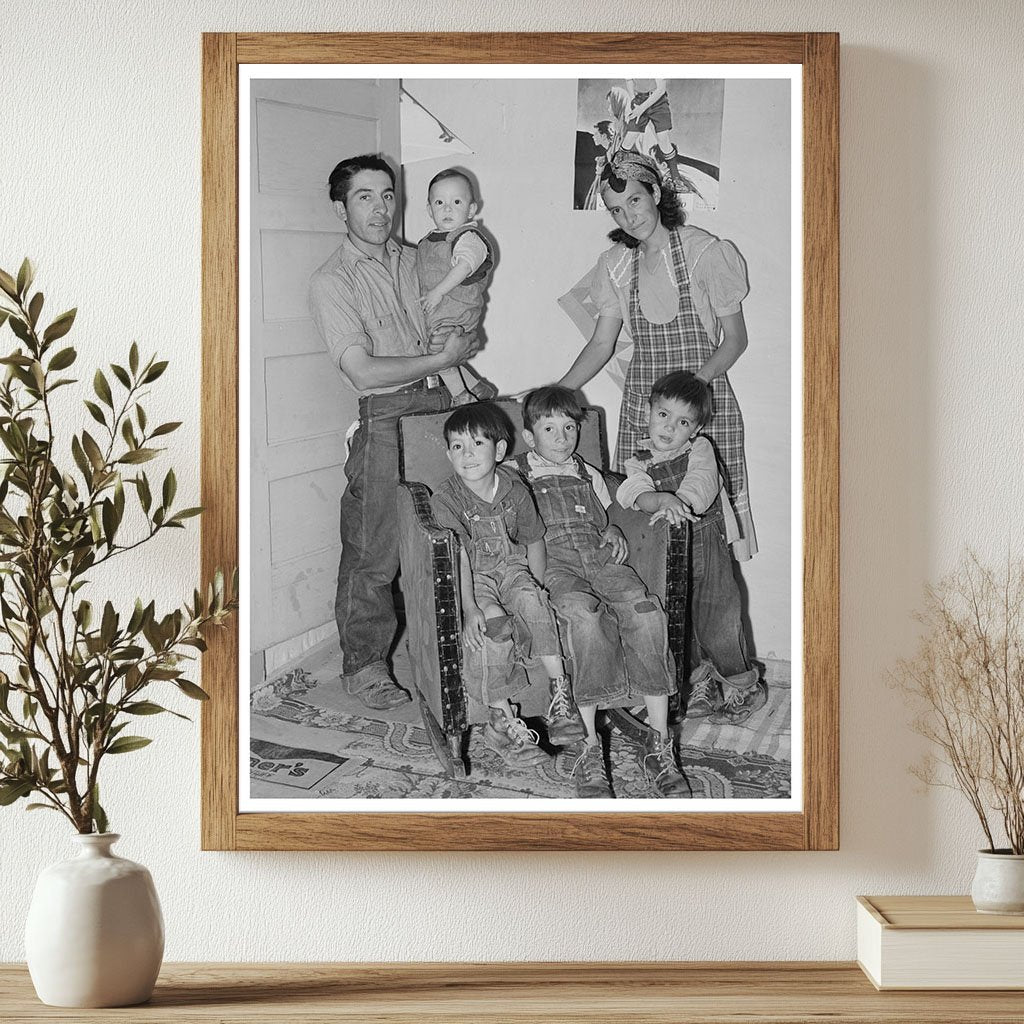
(967, 678)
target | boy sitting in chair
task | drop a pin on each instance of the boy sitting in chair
(505, 612)
(617, 635)
(675, 477)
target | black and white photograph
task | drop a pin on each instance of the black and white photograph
(520, 479)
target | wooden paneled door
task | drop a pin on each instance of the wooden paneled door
(299, 408)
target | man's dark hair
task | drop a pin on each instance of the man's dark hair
(453, 172)
(342, 175)
(671, 213)
(683, 386)
(481, 419)
(551, 400)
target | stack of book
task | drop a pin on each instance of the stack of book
(938, 942)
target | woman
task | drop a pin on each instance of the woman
(680, 289)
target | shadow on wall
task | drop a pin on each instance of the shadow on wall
(888, 301)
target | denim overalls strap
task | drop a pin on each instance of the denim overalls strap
(483, 271)
(668, 475)
(565, 501)
(573, 516)
(488, 524)
(463, 304)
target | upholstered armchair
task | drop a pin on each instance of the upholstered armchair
(430, 580)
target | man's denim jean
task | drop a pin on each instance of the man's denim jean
(364, 608)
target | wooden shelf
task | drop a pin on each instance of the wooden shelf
(524, 993)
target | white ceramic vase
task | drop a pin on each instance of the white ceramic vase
(999, 883)
(95, 934)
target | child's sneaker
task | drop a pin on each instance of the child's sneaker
(513, 741)
(705, 696)
(590, 776)
(740, 703)
(562, 721)
(663, 773)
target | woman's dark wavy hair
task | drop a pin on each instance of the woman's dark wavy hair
(672, 214)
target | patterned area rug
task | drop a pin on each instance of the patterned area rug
(302, 750)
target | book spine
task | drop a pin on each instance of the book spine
(869, 945)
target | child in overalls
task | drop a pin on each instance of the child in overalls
(454, 266)
(506, 615)
(675, 476)
(616, 633)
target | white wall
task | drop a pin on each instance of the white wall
(100, 182)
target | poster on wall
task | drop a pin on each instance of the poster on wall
(676, 122)
(520, 493)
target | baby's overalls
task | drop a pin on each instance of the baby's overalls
(463, 306)
(715, 608)
(502, 576)
(615, 632)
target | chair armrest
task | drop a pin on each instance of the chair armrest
(430, 582)
(648, 545)
(420, 514)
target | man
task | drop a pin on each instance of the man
(365, 303)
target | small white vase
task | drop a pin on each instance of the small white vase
(95, 934)
(999, 883)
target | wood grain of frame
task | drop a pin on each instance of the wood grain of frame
(817, 827)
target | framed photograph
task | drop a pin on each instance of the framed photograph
(611, 625)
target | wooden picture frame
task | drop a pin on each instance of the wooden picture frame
(816, 826)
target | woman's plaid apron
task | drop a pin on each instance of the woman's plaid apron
(681, 344)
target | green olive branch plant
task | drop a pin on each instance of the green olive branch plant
(80, 675)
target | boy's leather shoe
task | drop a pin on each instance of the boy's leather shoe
(513, 741)
(562, 721)
(663, 774)
(740, 703)
(705, 694)
(589, 774)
